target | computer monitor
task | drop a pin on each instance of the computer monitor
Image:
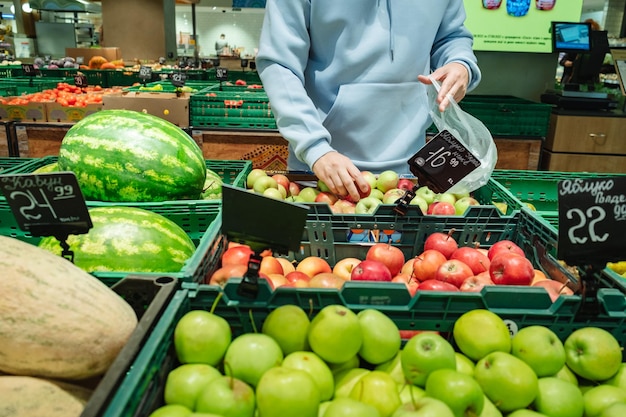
(588, 65)
(572, 37)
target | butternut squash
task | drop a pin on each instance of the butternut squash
(57, 321)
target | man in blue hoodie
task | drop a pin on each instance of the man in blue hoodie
(347, 80)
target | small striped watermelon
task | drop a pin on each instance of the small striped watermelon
(128, 239)
(125, 155)
(212, 186)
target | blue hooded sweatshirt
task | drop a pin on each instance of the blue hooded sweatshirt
(342, 75)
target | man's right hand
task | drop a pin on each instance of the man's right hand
(340, 175)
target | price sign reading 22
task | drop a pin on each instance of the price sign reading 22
(587, 221)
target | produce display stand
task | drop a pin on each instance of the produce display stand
(142, 389)
(11, 165)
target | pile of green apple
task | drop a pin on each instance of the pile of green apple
(342, 363)
(384, 188)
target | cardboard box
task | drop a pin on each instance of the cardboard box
(111, 54)
(64, 114)
(29, 112)
(168, 106)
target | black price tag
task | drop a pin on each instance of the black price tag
(80, 80)
(178, 79)
(221, 74)
(244, 63)
(442, 162)
(145, 73)
(29, 70)
(592, 220)
(80, 60)
(49, 204)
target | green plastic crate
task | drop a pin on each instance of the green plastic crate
(13, 165)
(27, 85)
(190, 74)
(142, 389)
(249, 76)
(124, 77)
(94, 77)
(168, 87)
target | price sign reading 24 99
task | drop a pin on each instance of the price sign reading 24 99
(592, 220)
(47, 204)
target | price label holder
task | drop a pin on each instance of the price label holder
(29, 70)
(80, 80)
(244, 63)
(49, 204)
(221, 74)
(145, 74)
(592, 226)
(440, 164)
(178, 79)
(80, 60)
(261, 223)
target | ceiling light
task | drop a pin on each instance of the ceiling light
(26, 8)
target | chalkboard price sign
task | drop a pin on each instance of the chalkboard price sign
(442, 162)
(178, 79)
(592, 220)
(221, 74)
(49, 204)
(29, 70)
(145, 73)
(80, 80)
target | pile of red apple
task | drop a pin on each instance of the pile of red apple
(341, 363)
(441, 266)
(384, 188)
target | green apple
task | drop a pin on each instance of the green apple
(489, 408)
(204, 415)
(348, 407)
(377, 194)
(566, 374)
(379, 390)
(540, 348)
(370, 177)
(424, 353)
(500, 375)
(314, 366)
(184, 383)
(335, 334)
(308, 194)
(593, 353)
(479, 332)
(353, 362)
(367, 205)
(461, 194)
(254, 175)
(419, 201)
(346, 380)
(287, 392)
(614, 410)
(619, 379)
(250, 355)
(171, 410)
(464, 364)
(462, 204)
(525, 413)
(321, 185)
(558, 398)
(201, 337)
(274, 193)
(394, 368)
(387, 180)
(391, 196)
(227, 396)
(426, 193)
(445, 197)
(263, 183)
(410, 393)
(288, 325)
(598, 398)
(381, 336)
(424, 407)
(459, 391)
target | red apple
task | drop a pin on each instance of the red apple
(504, 246)
(554, 288)
(454, 272)
(441, 208)
(343, 206)
(407, 268)
(407, 279)
(297, 279)
(326, 280)
(282, 180)
(277, 280)
(472, 257)
(371, 270)
(362, 193)
(287, 265)
(442, 242)
(343, 268)
(270, 265)
(436, 285)
(223, 274)
(313, 265)
(475, 283)
(390, 255)
(239, 254)
(326, 197)
(293, 189)
(509, 268)
(426, 264)
(405, 184)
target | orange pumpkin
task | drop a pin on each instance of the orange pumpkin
(96, 62)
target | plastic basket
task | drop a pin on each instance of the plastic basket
(142, 389)
(27, 85)
(13, 165)
(94, 77)
(249, 76)
(8, 71)
(124, 77)
(190, 74)
(168, 87)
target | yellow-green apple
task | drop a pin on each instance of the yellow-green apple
(391, 256)
(335, 334)
(392, 196)
(223, 274)
(410, 393)
(321, 185)
(442, 242)
(346, 380)
(287, 392)
(367, 205)
(441, 208)
(525, 412)
(593, 353)
(313, 265)
(263, 183)
(287, 265)
(426, 193)
(297, 279)
(351, 363)
(619, 379)
(348, 407)
(249, 355)
(566, 374)
(239, 254)
(370, 178)
(600, 397)
(464, 364)
(480, 332)
(489, 409)
(326, 197)
(614, 410)
(201, 337)
(454, 272)
(381, 337)
(445, 198)
(270, 265)
(424, 407)
(312, 364)
(554, 288)
(344, 267)
(226, 396)
(308, 194)
(254, 175)
(379, 390)
(501, 374)
(472, 257)
(558, 398)
(377, 194)
(184, 383)
(511, 269)
(506, 246)
(425, 265)
(274, 193)
(394, 368)
(540, 348)
(283, 191)
(476, 283)
(420, 202)
(371, 270)
(288, 325)
(424, 353)
(405, 184)
(387, 180)
(459, 391)
(171, 410)
(326, 280)
(293, 189)
(462, 204)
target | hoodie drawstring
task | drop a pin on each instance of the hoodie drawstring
(391, 35)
